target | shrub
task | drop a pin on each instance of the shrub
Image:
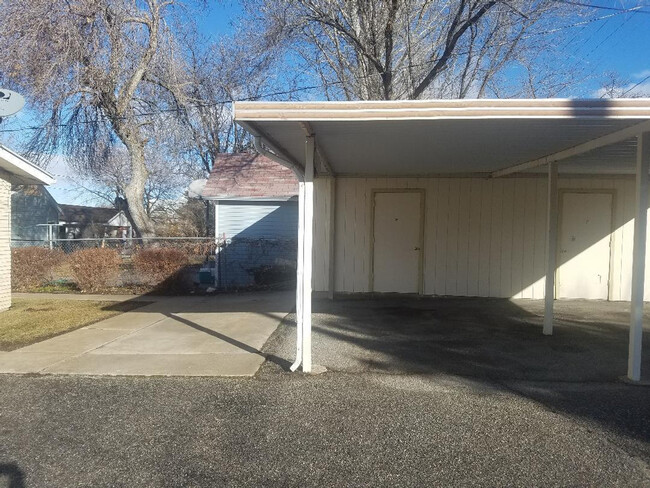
(95, 269)
(274, 275)
(157, 265)
(32, 267)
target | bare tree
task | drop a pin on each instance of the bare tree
(104, 70)
(409, 49)
(616, 86)
(228, 69)
(167, 179)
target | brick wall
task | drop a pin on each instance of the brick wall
(5, 236)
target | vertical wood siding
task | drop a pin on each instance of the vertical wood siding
(483, 237)
(5, 237)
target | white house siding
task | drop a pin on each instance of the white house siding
(5, 236)
(483, 237)
(260, 234)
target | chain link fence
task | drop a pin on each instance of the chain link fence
(224, 264)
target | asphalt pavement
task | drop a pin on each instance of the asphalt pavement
(334, 429)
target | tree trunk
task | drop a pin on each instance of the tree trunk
(134, 191)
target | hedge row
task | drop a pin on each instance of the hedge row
(93, 270)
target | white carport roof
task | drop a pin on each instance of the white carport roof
(490, 138)
(438, 137)
(21, 171)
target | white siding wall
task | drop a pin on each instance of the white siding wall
(258, 219)
(320, 268)
(483, 237)
(5, 236)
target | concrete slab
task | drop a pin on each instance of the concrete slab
(171, 336)
(222, 364)
(128, 321)
(29, 362)
(75, 342)
(197, 336)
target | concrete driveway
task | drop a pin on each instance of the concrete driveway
(196, 336)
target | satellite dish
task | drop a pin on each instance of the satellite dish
(195, 189)
(10, 102)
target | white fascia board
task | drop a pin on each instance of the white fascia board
(251, 199)
(21, 170)
(638, 108)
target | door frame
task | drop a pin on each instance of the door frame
(373, 193)
(612, 228)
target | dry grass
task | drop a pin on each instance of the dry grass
(32, 320)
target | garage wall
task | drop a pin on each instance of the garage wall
(258, 219)
(483, 237)
(5, 237)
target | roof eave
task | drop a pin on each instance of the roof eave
(634, 108)
(21, 170)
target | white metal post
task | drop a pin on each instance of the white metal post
(216, 222)
(638, 259)
(332, 239)
(551, 248)
(299, 274)
(307, 254)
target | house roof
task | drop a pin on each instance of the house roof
(83, 215)
(40, 190)
(249, 176)
(20, 171)
(452, 137)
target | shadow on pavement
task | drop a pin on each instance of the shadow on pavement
(494, 343)
(11, 476)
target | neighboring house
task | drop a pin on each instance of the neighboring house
(82, 222)
(34, 214)
(14, 170)
(255, 214)
(37, 217)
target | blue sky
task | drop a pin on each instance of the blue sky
(618, 43)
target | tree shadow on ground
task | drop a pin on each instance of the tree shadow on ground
(11, 476)
(494, 342)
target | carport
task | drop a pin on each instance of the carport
(362, 163)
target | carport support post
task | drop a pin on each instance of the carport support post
(331, 238)
(299, 273)
(308, 229)
(551, 248)
(638, 256)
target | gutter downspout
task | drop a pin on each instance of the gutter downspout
(300, 174)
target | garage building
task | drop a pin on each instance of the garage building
(492, 198)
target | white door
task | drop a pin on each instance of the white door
(397, 242)
(584, 247)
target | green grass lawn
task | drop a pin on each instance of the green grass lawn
(31, 320)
